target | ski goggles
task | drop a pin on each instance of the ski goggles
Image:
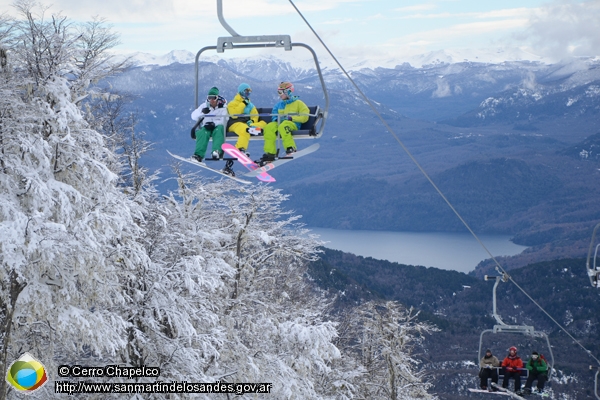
(247, 92)
(212, 97)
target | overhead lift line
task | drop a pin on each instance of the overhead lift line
(414, 160)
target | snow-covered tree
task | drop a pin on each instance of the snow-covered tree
(108, 113)
(378, 342)
(61, 214)
(272, 321)
(170, 294)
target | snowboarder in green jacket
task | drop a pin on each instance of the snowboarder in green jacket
(538, 369)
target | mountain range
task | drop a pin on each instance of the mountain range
(513, 145)
(485, 55)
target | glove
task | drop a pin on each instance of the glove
(248, 108)
(249, 122)
(488, 366)
(209, 126)
(193, 133)
(255, 130)
(289, 118)
(205, 110)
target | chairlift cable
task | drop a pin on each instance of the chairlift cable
(553, 320)
(499, 268)
(393, 133)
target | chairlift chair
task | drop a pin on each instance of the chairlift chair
(502, 327)
(314, 127)
(593, 269)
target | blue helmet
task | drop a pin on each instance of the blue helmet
(244, 90)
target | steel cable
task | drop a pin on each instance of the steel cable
(499, 267)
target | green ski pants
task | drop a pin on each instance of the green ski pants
(203, 135)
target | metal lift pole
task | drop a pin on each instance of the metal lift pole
(596, 382)
(592, 270)
(222, 19)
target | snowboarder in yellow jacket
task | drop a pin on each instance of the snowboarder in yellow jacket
(243, 124)
(288, 115)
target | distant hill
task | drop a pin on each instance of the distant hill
(514, 185)
(587, 150)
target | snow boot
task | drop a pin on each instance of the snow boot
(228, 170)
(243, 150)
(266, 159)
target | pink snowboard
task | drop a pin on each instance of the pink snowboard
(234, 152)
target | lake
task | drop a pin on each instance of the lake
(452, 251)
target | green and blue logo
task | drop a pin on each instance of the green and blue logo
(26, 374)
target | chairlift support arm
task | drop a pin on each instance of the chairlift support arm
(227, 42)
(502, 326)
(222, 19)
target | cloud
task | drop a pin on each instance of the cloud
(374, 17)
(338, 21)
(503, 13)
(158, 11)
(118, 11)
(442, 90)
(420, 7)
(160, 25)
(565, 28)
(463, 33)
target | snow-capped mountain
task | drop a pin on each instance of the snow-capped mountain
(268, 68)
(487, 56)
(469, 93)
(302, 59)
(565, 89)
(481, 87)
(174, 56)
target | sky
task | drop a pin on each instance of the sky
(355, 29)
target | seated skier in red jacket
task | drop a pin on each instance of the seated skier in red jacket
(512, 366)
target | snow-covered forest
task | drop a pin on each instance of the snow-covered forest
(208, 284)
